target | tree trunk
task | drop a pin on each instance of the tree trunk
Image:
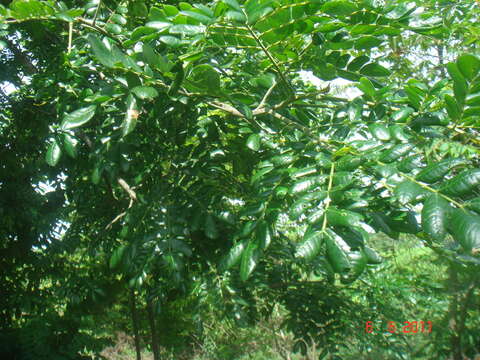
(136, 336)
(441, 60)
(455, 340)
(153, 329)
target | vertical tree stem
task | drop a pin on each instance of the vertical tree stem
(153, 329)
(70, 36)
(136, 336)
(455, 339)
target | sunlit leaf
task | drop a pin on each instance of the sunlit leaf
(78, 117)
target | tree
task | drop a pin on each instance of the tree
(184, 137)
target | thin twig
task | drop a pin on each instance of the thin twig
(265, 97)
(96, 12)
(70, 36)
(327, 200)
(270, 57)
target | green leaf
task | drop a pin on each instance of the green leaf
(357, 63)
(367, 42)
(78, 117)
(211, 230)
(396, 131)
(437, 170)
(131, 116)
(265, 80)
(304, 185)
(303, 172)
(474, 204)
(435, 214)
(249, 260)
(155, 60)
(339, 8)
(459, 83)
(380, 222)
(374, 70)
(117, 256)
(395, 153)
(202, 18)
(233, 256)
(248, 228)
(253, 209)
(103, 54)
(187, 30)
(358, 262)
(205, 78)
(367, 87)
(263, 235)
(282, 160)
(379, 131)
(372, 256)
(407, 191)
(253, 142)
(465, 228)
(462, 184)
(119, 19)
(175, 85)
(69, 144)
(236, 16)
(170, 10)
(336, 252)
(233, 4)
(140, 33)
(402, 114)
(469, 66)
(54, 153)
(170, 40)
(452, 107)
(423, 120)
(97, 174)
(343, 217)
(311, 245)
(325, 71)
(113, 28)
(145, 92)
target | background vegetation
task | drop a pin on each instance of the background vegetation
(239, 180)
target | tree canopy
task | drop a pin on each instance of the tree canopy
(154, 149)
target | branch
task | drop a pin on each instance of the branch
(96, 12)
(133, 197)
(327, 201)
(270, 57)
(265, 97)
(93, 26)
(21, 57)
(128, 189)
(70, 37)
(82, 21)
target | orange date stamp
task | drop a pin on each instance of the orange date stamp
(407, 327)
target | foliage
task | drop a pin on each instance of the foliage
(183, 147)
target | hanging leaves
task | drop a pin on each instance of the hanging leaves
(78, 117)
(253, 142)
(249, 260)
(462, 184)
(311, 245)
(53, 153)
(435, 213)
(437, 170)
(465, 228)
(336, 252)
(233, 256)
(131, 116)
(204, 78)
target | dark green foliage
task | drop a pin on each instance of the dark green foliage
(151, 151)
